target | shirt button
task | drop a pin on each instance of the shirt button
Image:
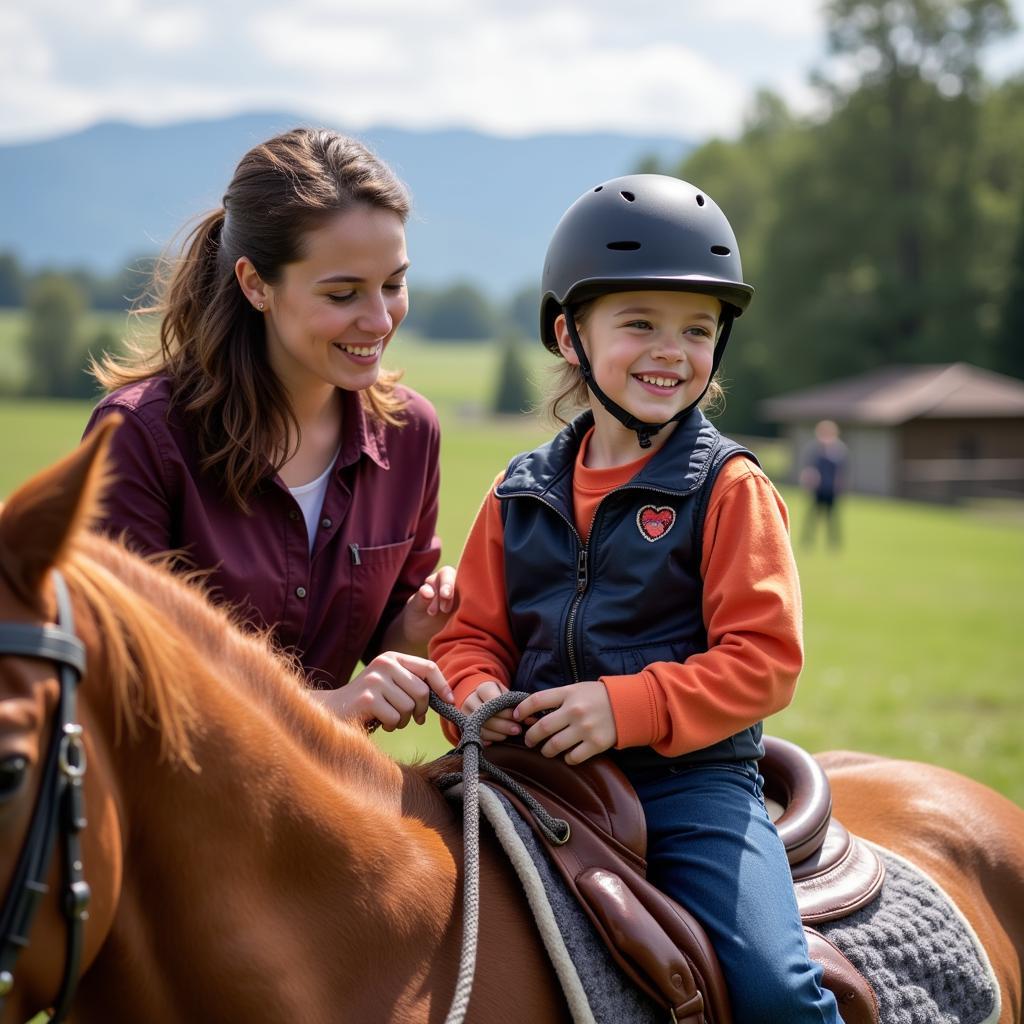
(326, 522)
(300, 591)
(293, 513)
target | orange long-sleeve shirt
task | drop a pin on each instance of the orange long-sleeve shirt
(751, 608)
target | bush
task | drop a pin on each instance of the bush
(54, 353)
(515, 392)
(459, 313)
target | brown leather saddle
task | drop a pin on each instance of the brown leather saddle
(658, 944)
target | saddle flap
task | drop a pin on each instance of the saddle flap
(631, 929)
(856, 998)
(596, 789)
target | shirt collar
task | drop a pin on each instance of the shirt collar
(361, 434)
(677, 467)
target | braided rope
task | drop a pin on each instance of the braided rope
(557, 831)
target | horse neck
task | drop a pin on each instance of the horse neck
(290, 811)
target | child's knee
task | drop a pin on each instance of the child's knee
(767, 992)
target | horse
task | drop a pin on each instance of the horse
(252, 857)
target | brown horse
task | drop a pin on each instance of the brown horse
(253, 858)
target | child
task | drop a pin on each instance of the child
(635, 575)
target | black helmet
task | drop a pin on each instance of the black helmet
(641, 232)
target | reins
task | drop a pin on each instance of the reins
(556, 830)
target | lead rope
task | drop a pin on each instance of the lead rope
(555, 829)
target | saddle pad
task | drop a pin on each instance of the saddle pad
(917, 950)
(595, 988)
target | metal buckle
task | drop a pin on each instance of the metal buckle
(72, 741)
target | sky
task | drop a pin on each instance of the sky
(686, 68)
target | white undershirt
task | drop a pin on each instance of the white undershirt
(311, 500)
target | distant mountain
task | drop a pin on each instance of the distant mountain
(484, 206)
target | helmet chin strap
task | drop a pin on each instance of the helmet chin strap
(644, 430)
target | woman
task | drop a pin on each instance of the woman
(264, 445)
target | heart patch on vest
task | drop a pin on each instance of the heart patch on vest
(654, 522)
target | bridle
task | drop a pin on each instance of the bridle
(59, 813)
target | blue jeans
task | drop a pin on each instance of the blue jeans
(712, 847)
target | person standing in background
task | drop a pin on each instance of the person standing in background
(823, 477)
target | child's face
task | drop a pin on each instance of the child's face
(651, 352)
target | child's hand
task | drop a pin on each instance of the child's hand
(500, 726)
(579, 722)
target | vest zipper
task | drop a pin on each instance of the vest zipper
(581, 577)
(582, 569)
(570, 625)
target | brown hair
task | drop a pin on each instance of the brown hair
(212, 341)
(567, 393)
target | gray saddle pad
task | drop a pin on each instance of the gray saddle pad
(921, 956)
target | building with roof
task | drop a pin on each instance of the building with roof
(936, 432)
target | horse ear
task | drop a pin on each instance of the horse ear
(41, 518)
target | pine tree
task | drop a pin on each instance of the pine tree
(1009, 346)
(514, 392)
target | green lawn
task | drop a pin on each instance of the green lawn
(912, 629)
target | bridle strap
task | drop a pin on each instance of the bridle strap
(59, 809)
(50, 643)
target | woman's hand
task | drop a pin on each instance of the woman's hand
(579, 721)
(392, 689)
(500, 726)
(425, 612)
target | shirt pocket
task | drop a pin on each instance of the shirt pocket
(375, 570)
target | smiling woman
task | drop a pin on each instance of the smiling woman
(264, 446)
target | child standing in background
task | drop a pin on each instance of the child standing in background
(635, 575)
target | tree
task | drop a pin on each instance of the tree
(12, 280)
(743, 177)
(907, 126)
(515, 392)
(421, 305)
(876, 253)
(1009, 346)
(523, 311)
(54, 354)
(459, 313)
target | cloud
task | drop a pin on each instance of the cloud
(511, 71)
(798, 19)
(526, 66)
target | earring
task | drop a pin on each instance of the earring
(260, 305)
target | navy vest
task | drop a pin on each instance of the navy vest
(632, 594)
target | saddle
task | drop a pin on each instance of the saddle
(657, 943)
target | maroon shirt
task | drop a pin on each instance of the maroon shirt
(374, 547)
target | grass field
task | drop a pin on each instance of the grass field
(912, 629)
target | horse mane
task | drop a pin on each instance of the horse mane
(164, 639)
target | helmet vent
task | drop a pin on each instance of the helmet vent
(599, 187)
(700, 199)
(721, 250)
(628, 196)
(624, 246)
